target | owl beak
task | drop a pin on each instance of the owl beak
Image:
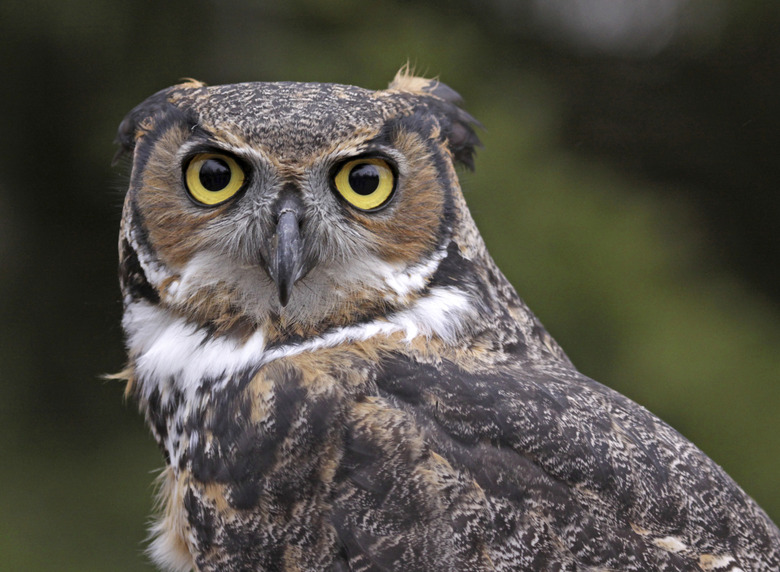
(286, 260)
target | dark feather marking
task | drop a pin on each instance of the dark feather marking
(133, 276)
(140, 232)
(157, 419)
(202, 519)
(445, 182)
(454, 270)
(458, 272)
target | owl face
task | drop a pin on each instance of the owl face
(291, 207)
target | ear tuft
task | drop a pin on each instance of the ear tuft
(406, 80)
(141, 117)
(458, 126)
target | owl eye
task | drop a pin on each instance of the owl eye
(213, 178)
(366, 184)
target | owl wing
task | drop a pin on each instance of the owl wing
(540, 466)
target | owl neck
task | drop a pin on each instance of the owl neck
(464, 301)
(467, 302)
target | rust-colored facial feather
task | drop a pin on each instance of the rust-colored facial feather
(217, 263)
(410, 229)
(175, 226)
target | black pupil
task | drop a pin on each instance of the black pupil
(214, 175)
(364, 179)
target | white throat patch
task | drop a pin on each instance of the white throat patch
(170, 353)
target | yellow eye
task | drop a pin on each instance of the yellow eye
(213, 178)
(366, 184)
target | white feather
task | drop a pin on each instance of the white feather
(154, 271)
(671, 543)
(167, 349)
(404, 281)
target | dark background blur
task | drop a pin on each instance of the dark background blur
(628, 187)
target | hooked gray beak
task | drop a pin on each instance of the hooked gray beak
(286, 252)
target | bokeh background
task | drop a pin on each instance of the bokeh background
(629, 188)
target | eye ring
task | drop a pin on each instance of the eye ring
(367, 183)
(213, 178)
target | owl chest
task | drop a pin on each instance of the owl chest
(254, 462)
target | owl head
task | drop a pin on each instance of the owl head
(292, 207)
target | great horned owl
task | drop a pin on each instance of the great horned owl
(339, 376)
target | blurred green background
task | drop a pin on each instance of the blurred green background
(628, 187)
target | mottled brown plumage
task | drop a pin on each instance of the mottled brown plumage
(343, 380)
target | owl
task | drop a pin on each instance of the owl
(340, 378)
